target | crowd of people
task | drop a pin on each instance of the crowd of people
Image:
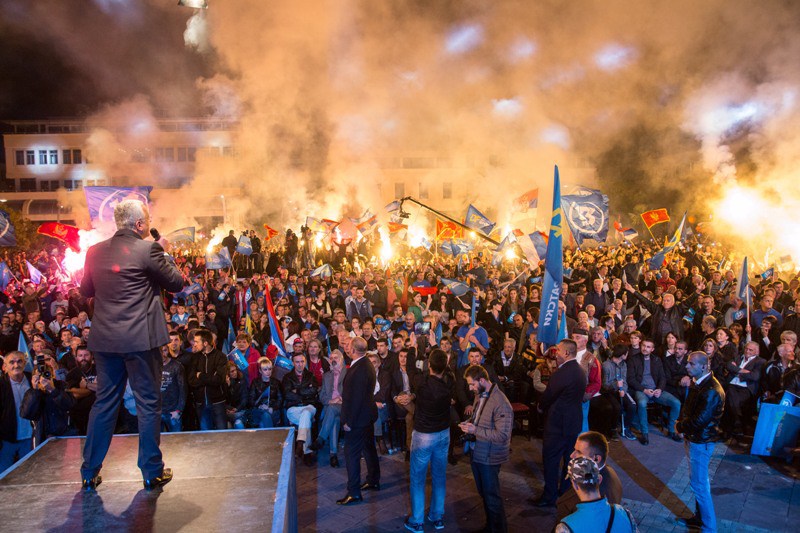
(451, 371)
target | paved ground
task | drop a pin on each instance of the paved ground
(749, 493)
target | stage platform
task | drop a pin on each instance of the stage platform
(224, 481)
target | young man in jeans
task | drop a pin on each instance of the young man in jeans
(430, 440)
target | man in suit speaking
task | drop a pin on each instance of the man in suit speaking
(359, 413)
(125, 275)
(562, 402)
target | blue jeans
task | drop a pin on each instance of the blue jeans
(331, 415)
(585, 425)
(11, 452)
(428, 448)
(261, 418)
(699, 458)
(172, 425)
(665, 399)
(487, 479)
(212, 416)
(383, 417)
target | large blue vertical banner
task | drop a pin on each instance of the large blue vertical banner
(553, 271)
(101, 201)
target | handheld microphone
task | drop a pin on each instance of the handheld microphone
(155, 234)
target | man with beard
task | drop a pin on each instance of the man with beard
(82, 384)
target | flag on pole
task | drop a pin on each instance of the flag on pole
(456, 288)
(62, 232)
(554, 271)
(529, 200)
(586, 213)
(182, 234)
(768, 273)
(101, 201)
(271, 232)
(446, 229)
(658, 259)
(477, 221)
(394, 227)
(627, 233)
(230, 340)
(656, 216)
(391, 207)
(276, 335)
(5, 275)
(244, 246)
(324, 271)
(34, 273)
(22, 346)
(743, 285)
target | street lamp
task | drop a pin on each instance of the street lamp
(224, 210)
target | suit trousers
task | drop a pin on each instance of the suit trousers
(358, 441)
(114, 370)
(556, 450)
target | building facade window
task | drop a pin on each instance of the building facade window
(77, 157)
(447, 190)
(42, 157)
(67, 156)
(191, 153)
(53, 157)
(423, 190)
(181, 153)
(27, 184)
(19, 156)
(30, 157)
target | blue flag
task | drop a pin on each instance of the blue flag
(34, 274)
(324, 271)
(587, 214)
(101, 201)
(456, 287)
(5, 275)
(768, 273)
(22, 346)
(230, 340)
(8, 236)
(477, 221)
(194, 288)
(183, 234)
(743, 285)
(244, 246)
(219, 260)
(553, 271)
(658, 259)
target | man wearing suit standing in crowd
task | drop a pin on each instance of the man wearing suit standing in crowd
(562, 402)
(358, 415)
(125, 275)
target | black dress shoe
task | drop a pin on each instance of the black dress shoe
(350, 500)
(335, 461)
(90, 485)
(316, 445)
(644, 439)
(371, 486)
(541, 502)
(160, 481)
(693, 522)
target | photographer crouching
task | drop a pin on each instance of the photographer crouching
(488, 434)
(47, 402)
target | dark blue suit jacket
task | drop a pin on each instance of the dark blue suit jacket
(562, 400)
(125, 274)
(358, 391)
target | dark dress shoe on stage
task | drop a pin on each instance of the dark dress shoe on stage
(298, 449)
(335, 461)
(316, 445)
(693, 522)
(90, 485)
(160, 481)
(371, 486)
(350, 500)
(308, 459)
(644, 439)
(541, 502)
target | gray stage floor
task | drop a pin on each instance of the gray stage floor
(224, 481)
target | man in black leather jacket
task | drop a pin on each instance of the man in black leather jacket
(699, 422)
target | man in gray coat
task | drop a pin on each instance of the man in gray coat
(125, 275)
(491, 424)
